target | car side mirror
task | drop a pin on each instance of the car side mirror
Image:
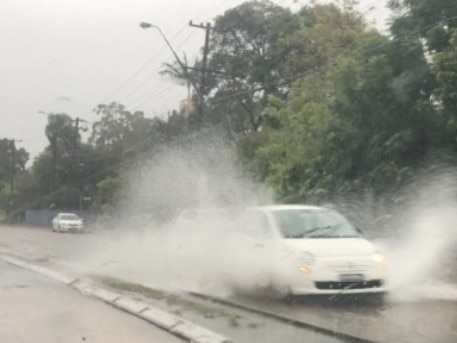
(359, 230)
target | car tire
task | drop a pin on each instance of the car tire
(289, 299)
(380, 299)
(377, 299)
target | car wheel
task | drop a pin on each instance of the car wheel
(377, 299)
(289, 299)
(380, 299)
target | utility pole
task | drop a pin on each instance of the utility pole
(77, 128)
(13, 162)
(184, 67)
(75, 142)
(202, 83)
(73, 164)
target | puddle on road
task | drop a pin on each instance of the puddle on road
(176, 302)
(240, 326)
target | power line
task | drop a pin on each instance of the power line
(202, 83)
(286, 82)
(211, 9)
(370, 5)
(425, 28)
(149, 100)
(146, 79)
(160, 92)
(135, 74)
(143, 67)
(156, 86)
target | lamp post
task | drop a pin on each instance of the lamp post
(184, 68)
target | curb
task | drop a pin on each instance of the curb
(169, 322)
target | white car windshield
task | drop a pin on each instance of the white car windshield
(69, 217)
(302, 223)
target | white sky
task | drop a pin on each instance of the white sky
(71, 55)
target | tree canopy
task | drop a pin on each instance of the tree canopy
(315, 103)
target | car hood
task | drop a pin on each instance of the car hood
(330, 247)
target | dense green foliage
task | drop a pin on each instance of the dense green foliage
(315, 103)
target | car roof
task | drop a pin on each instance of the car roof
(290, 207)
(67, 213)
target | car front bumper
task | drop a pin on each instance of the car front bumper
(346, 289)
(66, 228)
(339, 276)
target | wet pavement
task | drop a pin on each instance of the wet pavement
(37, 309)
(415, 322)
(426, 320)
(239, 325)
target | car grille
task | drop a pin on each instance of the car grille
(330, 285)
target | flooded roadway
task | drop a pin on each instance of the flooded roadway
(430, 320)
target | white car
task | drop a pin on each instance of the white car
(322, 253)
(64, 222)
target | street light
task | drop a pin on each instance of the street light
(145, 25)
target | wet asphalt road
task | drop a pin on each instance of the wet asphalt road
(418, 321)
(36, 309)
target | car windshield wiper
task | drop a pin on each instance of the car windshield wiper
(319, 229)
(310, 232)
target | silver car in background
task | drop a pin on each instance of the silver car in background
(65, 222)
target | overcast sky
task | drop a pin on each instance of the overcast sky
(71, 55)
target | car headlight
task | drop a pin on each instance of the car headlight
(378, 258)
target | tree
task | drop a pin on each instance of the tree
(8, 195)
(431, 20)
(384, 92)
(119, 130)
(106, 193)
(247, 51)
(298, 149)
(433, 23)
(21, 156)
(445, 70)
(60, 133)
(359, 121)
